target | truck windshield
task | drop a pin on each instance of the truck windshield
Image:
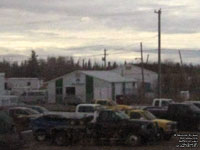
(194, 108)
(122, 115)
(149, 116)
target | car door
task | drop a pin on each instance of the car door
(107, 124)
(135, 115)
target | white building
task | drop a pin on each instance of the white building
(132, 71)
(89, 85)
(2, 83)
(19, 85)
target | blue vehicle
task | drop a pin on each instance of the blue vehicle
(42, 125)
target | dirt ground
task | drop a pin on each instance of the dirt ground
(163, 145)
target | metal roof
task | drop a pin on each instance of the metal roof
(108, 76)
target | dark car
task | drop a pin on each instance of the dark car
(109, 126)
(21, 116)
(43, 125)
(9, 138)
(187, 116)
(39, 109)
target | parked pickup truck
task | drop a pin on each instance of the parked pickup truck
(108, 125)
(187, 116)
(167, 127)
(162, 102)
(82, 110)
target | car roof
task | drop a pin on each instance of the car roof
(18, 107)
(92, 105)
(192, 102)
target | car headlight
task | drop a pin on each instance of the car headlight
(169, 125)
(143, 126)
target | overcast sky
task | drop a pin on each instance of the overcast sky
(85, 27)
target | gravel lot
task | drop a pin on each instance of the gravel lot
(163, 145)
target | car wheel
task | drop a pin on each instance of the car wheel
(41, 136)
(198, 127)
(161, 135)
(167, 137)
(133, 140)
(61, 139)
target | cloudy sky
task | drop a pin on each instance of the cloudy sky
(82, 28)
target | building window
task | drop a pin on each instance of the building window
(147, 87)
(6, 86)
(28, 83)
(70, 90)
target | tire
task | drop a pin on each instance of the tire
(61, 139)
(133, 140)
(167, 137)
(161, 136)
(41, 136)
(198, 127)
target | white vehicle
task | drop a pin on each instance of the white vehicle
(8, 100)
(82, 110)
(162, 102)
(34, 96)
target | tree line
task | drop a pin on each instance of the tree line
(50, 68)
(175, 77)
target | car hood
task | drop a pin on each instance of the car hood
(162, 121)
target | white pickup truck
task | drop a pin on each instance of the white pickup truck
(82, 110)
(162, 102)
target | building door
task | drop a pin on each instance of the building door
(59, 90)
(89, 89)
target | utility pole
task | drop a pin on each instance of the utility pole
(159, 52)
(142, 70)
(147, 59)
(181, 60)
(104, 58)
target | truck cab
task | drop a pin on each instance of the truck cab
(85, 110)
(116, 124)
(162, 102)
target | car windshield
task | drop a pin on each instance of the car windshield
(122, 115)
(197, 104)
(31, 111)
(149, 116)
(40, 109)
(194, 108)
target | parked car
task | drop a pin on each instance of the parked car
(43, 125)
(21, 116)
(39, 109)
(9, 138)
(167, 127)
(108, 125)
(187, 116)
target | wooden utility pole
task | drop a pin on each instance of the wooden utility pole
(147, 59)
(159, 52)
(104, 58)
(181, 60)
(142, 70)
